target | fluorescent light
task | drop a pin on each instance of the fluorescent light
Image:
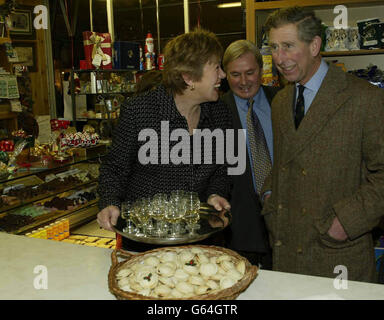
(229, 5)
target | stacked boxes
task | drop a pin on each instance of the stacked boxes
(59, 231)
(56, 231)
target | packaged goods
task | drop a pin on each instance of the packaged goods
(149, 52)
(381, 33)
(97, 50)
(49, 230)
(369, 33)
(336, 39)
(353, 38)
(126, 55)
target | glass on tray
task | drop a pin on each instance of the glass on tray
(163, 215)
(160, 203)
(174, 215)
(125, 211)
(136, 217)
(192, 216)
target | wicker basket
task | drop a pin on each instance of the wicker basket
(224, 294)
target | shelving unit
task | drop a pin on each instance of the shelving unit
(254, 8)
(265, 5)
(351, 53)
(257, 12)
(103, 94)
(77, 215)
(4, 40)
(10, 120)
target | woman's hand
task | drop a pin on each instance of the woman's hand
(107, 217)
(218, 202)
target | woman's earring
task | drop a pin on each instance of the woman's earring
(192, 87)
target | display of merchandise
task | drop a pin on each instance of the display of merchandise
(79, 139)
(372, 74)
(91, 241)
(149, 52)
(369, 33)
(126, 55)
(160, 61)
(97, 50)
(339, 39)
(269, 76)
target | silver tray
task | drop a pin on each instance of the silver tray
(211, 221)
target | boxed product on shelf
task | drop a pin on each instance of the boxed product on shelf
(269, 76)
(126, 55)
(381, 34)
(336, 39)
(97, 50)
(353, 38)
(91, 241)
(58, 231)
(369, 33)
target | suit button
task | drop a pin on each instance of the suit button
(278, 243)
(299, 250)
(304, 172)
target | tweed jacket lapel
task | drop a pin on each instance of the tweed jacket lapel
(318, 115)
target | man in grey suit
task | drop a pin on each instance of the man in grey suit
(247, 234)
(327, 178)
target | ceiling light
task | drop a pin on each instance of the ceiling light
(229, 5)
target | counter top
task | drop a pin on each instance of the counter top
(80, 272)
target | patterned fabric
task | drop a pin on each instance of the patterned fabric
(261, 160)
(123, 177)
(299, 112)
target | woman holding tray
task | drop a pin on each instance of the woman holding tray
(154, 145)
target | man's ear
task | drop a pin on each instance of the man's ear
(315, 46)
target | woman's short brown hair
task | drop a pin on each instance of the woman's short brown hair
(187, 54)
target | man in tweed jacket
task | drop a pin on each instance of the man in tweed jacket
(327, 181)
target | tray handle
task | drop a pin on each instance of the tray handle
(122, 253)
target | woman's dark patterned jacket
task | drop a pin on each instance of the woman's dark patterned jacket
(123, 177)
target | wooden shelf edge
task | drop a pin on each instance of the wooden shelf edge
(52, 216)
(8, 115)
(313, 3)
(45, 196)
(351, 53)
(4, 40)
(106, 70)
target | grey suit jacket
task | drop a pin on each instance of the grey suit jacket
(247, 231)
(332, 166)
